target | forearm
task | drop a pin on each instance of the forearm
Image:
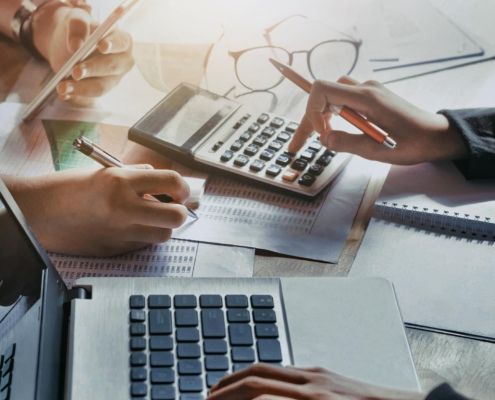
(8, 8)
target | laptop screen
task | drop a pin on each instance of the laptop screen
(20, 272)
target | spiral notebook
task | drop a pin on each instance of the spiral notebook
(433, 236)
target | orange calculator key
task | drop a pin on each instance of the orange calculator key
(290, 176)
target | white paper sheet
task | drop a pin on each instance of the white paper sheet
(245, 215)
(10, 114)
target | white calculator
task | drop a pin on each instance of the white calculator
(207, 131)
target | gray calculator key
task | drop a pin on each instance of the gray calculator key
(185, 301)
(267, 155)
(138, 374)
(315, 146)
(236, 146)
(137, 344)
(238, 315)
(187, 335)
(245, 136)
(216, 363)
(241, 334)
(137, 329)
(263, 118)
(257, 165)
(277, 122)
(307, 155)
(215, 346)
(254, 127)
(210, 301)
(138, 359)
(264, 315)
(283, 136)
(160, 322)
(242, 354)
(251, 150)
(260, 140)
(283, 160)
(137, 301)
(241, 160)
(189, 367)
(161, 343)
(275, 145)
(159, 301)
(213, 323)
(227, 155)
(139, 389)
(268, 331)
(268, 132)
(162, 392)
(188, 350)
(273, 170)
(292, 126)
(262, 301)
(137, 316)
(187, 317)
(236, 301)
(162, 375)
(161, 359)
(269, 350)
(190, 384)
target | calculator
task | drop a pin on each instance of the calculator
(208, 131)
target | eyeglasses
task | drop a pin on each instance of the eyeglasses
(327, 60)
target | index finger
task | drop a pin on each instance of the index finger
(302, 132)
(159, 182)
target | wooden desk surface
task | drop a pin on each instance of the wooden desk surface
(468, 365)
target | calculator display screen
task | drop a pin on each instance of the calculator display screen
(186, 116)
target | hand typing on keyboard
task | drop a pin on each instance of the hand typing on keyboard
(265, 382)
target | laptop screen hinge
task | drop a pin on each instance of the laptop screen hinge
(79, 293)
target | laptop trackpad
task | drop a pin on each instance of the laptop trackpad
(350, 326)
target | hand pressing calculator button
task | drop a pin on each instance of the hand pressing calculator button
(227, 155)
(267, 155)
(277, 122)
(299, 165)
(307, 180)
(257, 165)
(268, 132)
(241, 160)
(273, 170)
(263, 118)
(251, 150)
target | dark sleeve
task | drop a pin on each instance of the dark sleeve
(445, 392)
(477, 127)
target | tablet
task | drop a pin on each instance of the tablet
(81, 54)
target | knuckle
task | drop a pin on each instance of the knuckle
(178, 216)
(319, 394)
(373, 83)
(253, 383)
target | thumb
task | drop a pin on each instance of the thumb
(78, 28)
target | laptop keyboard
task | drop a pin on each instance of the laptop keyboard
(6, 370)
(184, 344)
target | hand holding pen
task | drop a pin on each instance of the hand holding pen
(95, 152)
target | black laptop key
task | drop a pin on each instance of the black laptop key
(138, 374)
(159, 301)
(161, 359)
(240, 335)
(187, 317)
(188, 350)
(185, 301)
(162, 375)
(137, 316)
(137, 301)
(269, 331)
(216, 363)
(238, 315)
(137, 329)
(161, 343)
(215, 346)
(139, 389)
(160, 322)
(240, 366)
(264, 315)
(236, 301)
(261, 301)
(187, 335)
(269, 350)
(137, 344)
(242, 354)
(138, 359)
(162, 392)
(210, 301)
(191, 397)
(190, 384)
(212, 378)
(213, 323)
(189, 367)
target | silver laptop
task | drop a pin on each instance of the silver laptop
(159, 338)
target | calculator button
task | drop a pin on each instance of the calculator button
(267, 155)
(236, 146)
(241, 160)
(254, 127)
(324, 160)
(277, 122)
(307, 155)
(263, 118)
(237, 125)
(307, 180)
(291, 126)
(268, 131)
(290, 176)
(283, 160)
(245, 136)
(273, 170)
(251, 150)
(315, 146)
(315, 169)
(227, 155)
(330, 153)
(257, 165)
(283, 136)
(275, 145)
(260, 140)
(299, 164)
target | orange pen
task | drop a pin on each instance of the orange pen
(347, 113)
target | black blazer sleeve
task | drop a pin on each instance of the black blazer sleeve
(445, 392)
(477, 127)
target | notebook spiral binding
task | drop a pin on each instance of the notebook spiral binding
(443, 221)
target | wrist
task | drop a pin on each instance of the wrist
(448, 141)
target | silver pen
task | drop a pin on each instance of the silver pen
(95, 152)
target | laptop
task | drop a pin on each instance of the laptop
(164, 338)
